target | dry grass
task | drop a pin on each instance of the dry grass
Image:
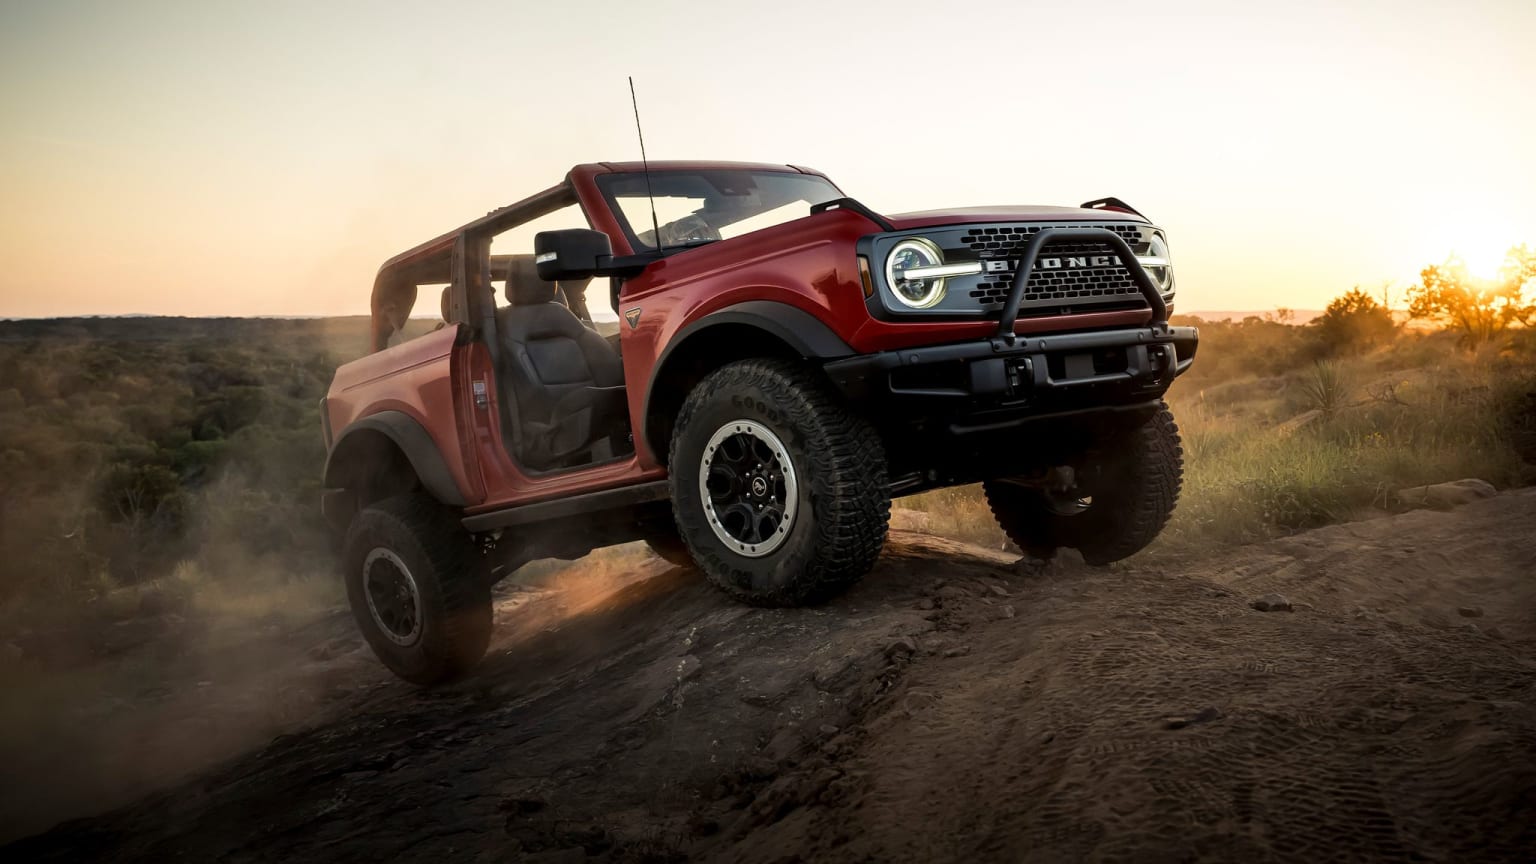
(960, 512)
(1417, 412)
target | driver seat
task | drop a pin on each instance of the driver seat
(567, 380)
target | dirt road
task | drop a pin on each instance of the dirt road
(951, 708)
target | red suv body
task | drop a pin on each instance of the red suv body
(988, 344)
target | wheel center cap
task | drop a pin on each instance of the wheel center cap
(759, 486)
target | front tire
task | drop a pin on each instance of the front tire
(1126, 494)
(779, 491)
(665, 543)
(415, 593)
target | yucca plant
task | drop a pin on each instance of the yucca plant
(1325, 387)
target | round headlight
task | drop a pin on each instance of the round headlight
(1159, 264)
(909, 254)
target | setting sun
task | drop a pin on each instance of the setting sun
(1483, 254)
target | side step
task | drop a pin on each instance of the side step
(591, 502)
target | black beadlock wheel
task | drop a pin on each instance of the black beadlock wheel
(415, 592)
(1122, 501)
(779, 491)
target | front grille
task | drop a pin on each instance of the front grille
(1053, 289)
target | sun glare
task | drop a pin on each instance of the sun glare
(1483, 255)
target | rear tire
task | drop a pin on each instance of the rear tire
(414, 589)
(779, 490)
(1131, 489)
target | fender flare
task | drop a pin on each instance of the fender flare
(413, 440)
(803, 332)
(800, 329)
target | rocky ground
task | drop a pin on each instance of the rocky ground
(1360, 692)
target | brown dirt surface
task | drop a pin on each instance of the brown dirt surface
(952, 707)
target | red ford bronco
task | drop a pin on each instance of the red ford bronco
(787, 360)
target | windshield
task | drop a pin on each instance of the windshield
(695, 207)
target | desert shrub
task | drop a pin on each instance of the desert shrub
(1253, 346)
(1353, 323)
(195, 461)
(229, 408)
(123, 455)
(133, 491)
(1325, 387)
(1413, 349)
(1515, 410)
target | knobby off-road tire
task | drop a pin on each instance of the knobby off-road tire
(405, 555)
(1134, 485)
(831, 486)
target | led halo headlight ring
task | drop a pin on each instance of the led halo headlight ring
(911, 254)
(1158, 263)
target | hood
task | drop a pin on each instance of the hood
(962, 215)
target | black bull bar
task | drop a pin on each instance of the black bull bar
(1101, 235)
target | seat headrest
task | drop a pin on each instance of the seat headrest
(443, 303)
(524, 287)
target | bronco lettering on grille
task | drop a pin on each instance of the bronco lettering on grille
(1075, 262)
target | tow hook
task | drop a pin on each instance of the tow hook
(1021, 375)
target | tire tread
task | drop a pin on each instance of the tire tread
(1153, 478)
(461, 589)
(848, 483)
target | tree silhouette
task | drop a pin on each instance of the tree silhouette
(1477, 309)
(1517, 284)
(1354, 321)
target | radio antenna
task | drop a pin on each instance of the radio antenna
(645, 163)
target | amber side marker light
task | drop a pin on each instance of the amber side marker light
(868, 280)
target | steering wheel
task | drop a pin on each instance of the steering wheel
(689, 229)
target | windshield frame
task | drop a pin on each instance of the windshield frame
(606, 187)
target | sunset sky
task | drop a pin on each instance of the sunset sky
(262, 158)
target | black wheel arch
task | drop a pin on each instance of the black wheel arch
(755, 328)
(385, 454)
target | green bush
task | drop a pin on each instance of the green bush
(137, 492)
(1353, 323)
(129, 446)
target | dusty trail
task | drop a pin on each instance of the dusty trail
(950, 708)
(1141, 716)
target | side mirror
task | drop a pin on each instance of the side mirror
(573, 253)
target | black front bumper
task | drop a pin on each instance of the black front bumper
(1022, 375)
(991, 384)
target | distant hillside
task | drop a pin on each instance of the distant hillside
(343, 337)
(131, 446)
(1299, 316)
